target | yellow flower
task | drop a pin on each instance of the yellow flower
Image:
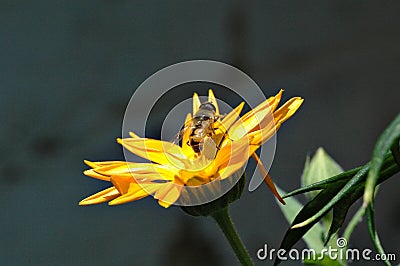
(174, 167)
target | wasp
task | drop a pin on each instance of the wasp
(201, 127)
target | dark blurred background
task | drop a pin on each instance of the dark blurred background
(69, 68)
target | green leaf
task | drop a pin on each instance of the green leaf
(349, 189)
(318, 202)
(345, 191)
(318, 205)
(373, 233)
(396, 151)
(340, 178)
(340, 211)
(388, 164)
(314, 237)
(330, 189)
(386, 140)
(321, 167)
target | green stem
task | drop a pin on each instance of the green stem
(225, 223)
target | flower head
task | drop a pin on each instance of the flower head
(173, 167)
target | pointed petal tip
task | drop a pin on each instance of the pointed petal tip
(112, 203)
(90, 163)
(211, 96)
(86, 202)
(87, 172)
(164, 204)
(297, 102)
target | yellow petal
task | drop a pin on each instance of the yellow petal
(163, 191)
(93, 174)
(288, 109)
(122, 183)
(268, 119)
(196, 181)
(100, 197)
(255, 118)
(104, 163)
(213, 100)
(171, 197)
(239, 130)
(168, 194)
(271, 103)
(259, 137)
(104, 170)
(232, 157)
(136, 192)
(89, 163)
(225, 153)
(187, 149)
(136, 169)
(157, 151)
(196, 103)
(109, 169)
(237, 161)
(99, 166)
(229, 119)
